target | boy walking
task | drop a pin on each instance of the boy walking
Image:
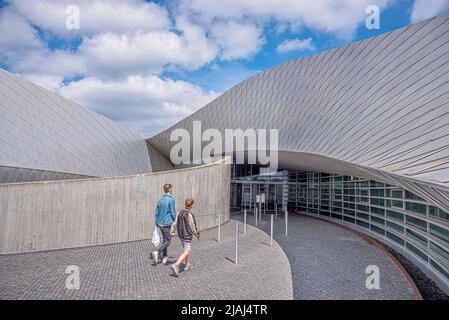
(185, 225)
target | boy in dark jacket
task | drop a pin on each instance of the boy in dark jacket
(185, 225)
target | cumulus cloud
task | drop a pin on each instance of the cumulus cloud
(338, 17)
(95, 16)
(423, 9)
(145, 104)
(295, 45)
(237, 40)
(123, 47)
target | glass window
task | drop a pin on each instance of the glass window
(415, 250)
(378, 211)
(439, 250)
(437, 213)
(362, 208)
(396, 194)
(378, 202)
(397, 204)
(416, 207)
(377, 192)
(395, 215)
(395, 238)
(439, 232)
(395, 226)
(433, 212)
(362, 215)
(416, 236)
(363, 224)
(418, 223)
(349, 219)
(378, 220)
(378, 230)
(412, 196)
(439, 268)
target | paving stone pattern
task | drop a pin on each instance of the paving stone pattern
(124, 271)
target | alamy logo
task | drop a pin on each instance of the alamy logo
(210, 146)
(373, 19)
(72, 21)
(373, 280)
(72, 282)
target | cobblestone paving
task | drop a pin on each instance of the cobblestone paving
(124, 271)
(329, 262)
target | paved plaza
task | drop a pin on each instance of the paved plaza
(124, 271)
(317, 260)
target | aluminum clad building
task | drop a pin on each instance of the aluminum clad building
(44, 136)
(363, 137)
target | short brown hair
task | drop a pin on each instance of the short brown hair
(189, 202)
(167, 187)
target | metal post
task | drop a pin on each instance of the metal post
(260, 210)
(271, 232)
(244, 222)
(255, 217)
(286, 222)
(236, 242)
(276, 208)
(219, 229)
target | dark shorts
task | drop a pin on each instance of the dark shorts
(186, 245)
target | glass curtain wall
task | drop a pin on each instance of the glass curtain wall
(391, 212)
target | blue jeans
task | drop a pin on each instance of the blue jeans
(165, 230)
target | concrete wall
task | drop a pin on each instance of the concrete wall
(62, 214)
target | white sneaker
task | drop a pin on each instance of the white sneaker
(155, 255)
(175, 269)
(165, 260)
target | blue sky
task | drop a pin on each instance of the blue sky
(149, 64)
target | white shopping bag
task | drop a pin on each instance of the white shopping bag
(156, 239)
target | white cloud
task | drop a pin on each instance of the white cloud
(295, 45)
(338, 17)
(146, 104)
(16, 35)
(95, 16)
(126, 44)
(423, 9)
(111, 55)
(237, 40)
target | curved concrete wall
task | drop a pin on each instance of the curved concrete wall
(380, 106)
(61, 214)
(41, 130)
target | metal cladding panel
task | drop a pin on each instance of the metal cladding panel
(43, 131)
(381, 105)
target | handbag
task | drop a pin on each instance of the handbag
(156, 238)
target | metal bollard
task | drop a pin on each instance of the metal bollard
(244, 222)
(255, 217)
(236, 242)
(219, 229)
(286, 222)
(271, 232)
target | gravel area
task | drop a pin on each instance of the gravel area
(330, 262)
(427, 287)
